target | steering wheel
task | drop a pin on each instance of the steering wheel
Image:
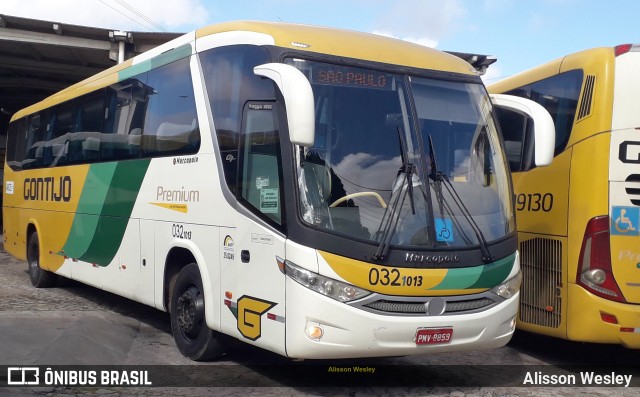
(359, 194)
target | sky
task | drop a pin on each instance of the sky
(521, 34)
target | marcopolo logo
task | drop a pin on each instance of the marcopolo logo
(419, 258)
(185, 160)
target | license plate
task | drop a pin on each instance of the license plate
(433, 336)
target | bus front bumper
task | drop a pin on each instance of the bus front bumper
(349, 332)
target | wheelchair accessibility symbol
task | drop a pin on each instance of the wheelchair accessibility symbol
(625, 221)
(444, 230)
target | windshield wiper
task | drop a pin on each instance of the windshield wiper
(392, 214)
(438, 177)
(408, 169)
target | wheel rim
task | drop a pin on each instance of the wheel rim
(190, 312)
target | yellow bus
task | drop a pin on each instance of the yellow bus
(315, 192)
(578, 219)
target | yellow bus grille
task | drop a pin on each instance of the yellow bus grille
(541, 261)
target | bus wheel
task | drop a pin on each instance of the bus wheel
(40, 278)
(193, 338)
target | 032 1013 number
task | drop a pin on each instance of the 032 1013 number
(178, 231)
(534, 202)
(393, 277)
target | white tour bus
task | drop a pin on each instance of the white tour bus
(315, 192)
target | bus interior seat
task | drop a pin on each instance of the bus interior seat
(135, 140)
(346, 219)
(59, 153)
(38, 155)
(91, 148)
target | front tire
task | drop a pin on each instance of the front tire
(39, 277)
(187, 308)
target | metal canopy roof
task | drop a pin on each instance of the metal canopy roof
(39, 58)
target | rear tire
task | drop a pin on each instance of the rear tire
(39, 277)
(187, 308)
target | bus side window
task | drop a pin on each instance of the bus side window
(37, 125)
(260, 161)
(230, 83)
(519, 144)
(61, 123)
(126, 103)
(84, 142)
(16, 140)
(170, 125)
(559, 96)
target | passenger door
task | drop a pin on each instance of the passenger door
(259, 297)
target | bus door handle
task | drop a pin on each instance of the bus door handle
(245, 256)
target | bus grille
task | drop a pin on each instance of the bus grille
(541, 262)
(418, 308)
(587, 97)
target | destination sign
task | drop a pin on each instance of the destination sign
(350, 77)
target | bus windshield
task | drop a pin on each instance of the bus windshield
(403, 160)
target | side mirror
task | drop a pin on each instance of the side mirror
(298, 99)
(543, 126)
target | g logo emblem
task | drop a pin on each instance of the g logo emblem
(250, 311)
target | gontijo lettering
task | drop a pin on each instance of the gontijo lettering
(48, 188)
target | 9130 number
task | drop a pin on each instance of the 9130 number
(534, 202)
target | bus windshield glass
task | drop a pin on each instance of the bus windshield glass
(402, 160)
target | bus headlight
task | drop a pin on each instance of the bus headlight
(326, 286)
(509, 288)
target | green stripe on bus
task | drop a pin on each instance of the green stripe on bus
(487, 276)
(116, 211)
(460, 278)
(165, 58)
(104, 209)
(92, 198)
(495, 273)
